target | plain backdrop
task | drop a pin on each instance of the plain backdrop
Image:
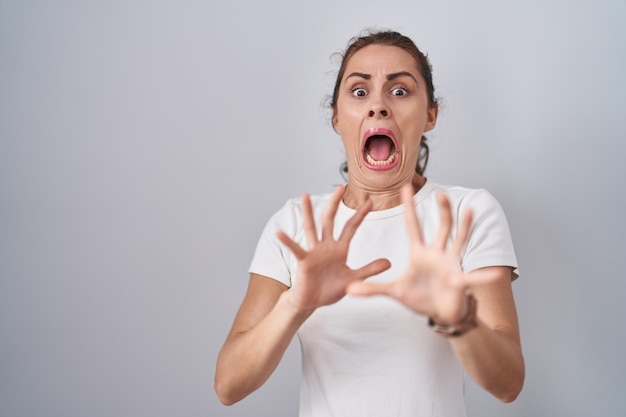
(144, 144)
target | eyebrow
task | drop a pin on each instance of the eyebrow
(401, 74)
(390, 77)
(359, 74)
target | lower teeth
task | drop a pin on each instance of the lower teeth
(388, 161)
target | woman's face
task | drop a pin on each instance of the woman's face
(381, 113)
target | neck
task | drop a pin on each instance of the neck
(358, 193)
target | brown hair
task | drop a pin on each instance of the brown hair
(390, 38)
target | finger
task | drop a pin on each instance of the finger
(463, 232)
(297, 250)
(364, 289)
(308, 222)
(372, 268)
(328, 219)
(412, 221)
(349, 229)
(445, 222)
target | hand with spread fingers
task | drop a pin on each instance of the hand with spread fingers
(323, 275)
(434, 283)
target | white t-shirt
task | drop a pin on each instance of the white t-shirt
(373, 356)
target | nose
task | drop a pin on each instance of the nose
(379, 107)
(383, 112)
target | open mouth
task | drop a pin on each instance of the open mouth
(379, 150)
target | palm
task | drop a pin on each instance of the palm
(323, 275)
(434, 283)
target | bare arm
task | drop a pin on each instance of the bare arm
(271, 314)
(434, 285)
(263, 328)
(491, 353)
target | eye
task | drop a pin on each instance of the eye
(399, 91)
(359, 92)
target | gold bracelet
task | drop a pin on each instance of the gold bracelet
(467, 323)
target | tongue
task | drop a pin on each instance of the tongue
(379, 148)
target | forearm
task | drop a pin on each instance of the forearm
(493, 359)
(249, 358)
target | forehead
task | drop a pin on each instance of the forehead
(385, 59)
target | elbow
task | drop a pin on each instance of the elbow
(506, 394)
(230, 385)
(224, 392)
(224, 395)
(510, 396)
(225, 400)
(511, 391)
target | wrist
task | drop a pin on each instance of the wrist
(295, 309)
(464, 325)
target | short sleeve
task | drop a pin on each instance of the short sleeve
(272, 258)
(490, 242)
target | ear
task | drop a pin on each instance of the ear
(335, 121)
(431, 120)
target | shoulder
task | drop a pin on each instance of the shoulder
(289, 217)
(478, 199)
(490, 242)
(294, 204)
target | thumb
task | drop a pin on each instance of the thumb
(358, 287)
(371, 269)
(364, 289)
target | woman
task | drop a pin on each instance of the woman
(394, 284)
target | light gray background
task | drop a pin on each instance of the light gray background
(143, 145)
